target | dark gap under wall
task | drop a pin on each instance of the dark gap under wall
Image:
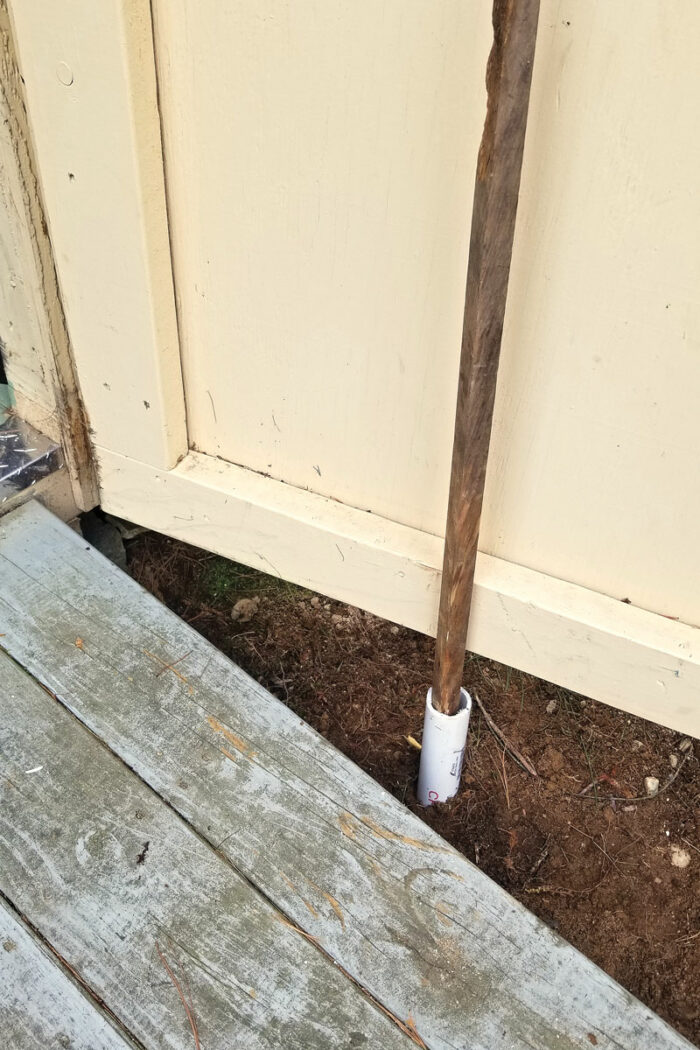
(6, 396)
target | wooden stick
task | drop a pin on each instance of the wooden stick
(500, 735)
(508, 77)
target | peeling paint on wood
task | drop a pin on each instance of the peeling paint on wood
(49, 395)
(92, 108)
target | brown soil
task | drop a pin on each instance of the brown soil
(598, 868)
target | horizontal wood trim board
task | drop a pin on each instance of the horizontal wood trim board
(633, 659)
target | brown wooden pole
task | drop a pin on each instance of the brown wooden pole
(508, 77)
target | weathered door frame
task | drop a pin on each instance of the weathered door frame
(91, 87)
(38, 360)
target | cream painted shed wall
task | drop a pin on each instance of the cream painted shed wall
(319, 163)
(259, 216)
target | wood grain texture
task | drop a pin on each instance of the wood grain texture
(508, 78)
(320, 235)
(646, 664)
(36, 346)
(411, 920)
(593, 465)
(40, 1005)
(334, 295)
(325, 222)
(117, 883)
(89, 79)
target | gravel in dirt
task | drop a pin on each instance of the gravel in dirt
(613, 868)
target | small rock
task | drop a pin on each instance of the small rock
(551, 707)
(651, 786)
(629, 809)
(394, 629)
(245, 609)
(685, 745)
(315, 601)
(680, 858)
(637, 745)
(673, 759)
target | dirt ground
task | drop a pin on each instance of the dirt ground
(614, 872)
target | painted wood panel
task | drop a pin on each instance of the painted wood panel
(26, 341)
(89, 78)
(593, 474)
(320, 162)
(320, 169)
(35, 343)
(117, 883)
(421, 929)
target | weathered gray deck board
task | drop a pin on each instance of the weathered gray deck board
(410, 919)
(112, 879)
(40, 1007)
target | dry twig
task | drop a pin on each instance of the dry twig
(540, 860)
(639, 798)
(525, 763)
(183, 1000)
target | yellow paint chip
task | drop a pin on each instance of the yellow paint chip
(454, 875)
(237, 742)
(310, 907)
(345, 820)
(331, 900)
(336, 908)
(443, 916)
(393, 836)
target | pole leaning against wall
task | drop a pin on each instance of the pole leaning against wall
(508, 78)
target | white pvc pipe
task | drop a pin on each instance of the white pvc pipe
(442, 753)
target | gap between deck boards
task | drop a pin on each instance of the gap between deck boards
(69, 974)
(407, 1027)
(246, 929)
(507, 979)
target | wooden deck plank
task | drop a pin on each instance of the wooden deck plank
(120, 886)
(427, 933)
(40, 1006)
